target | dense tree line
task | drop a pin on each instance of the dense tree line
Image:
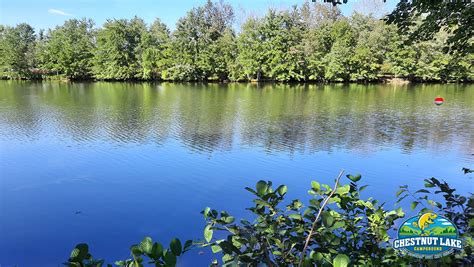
(313, 42)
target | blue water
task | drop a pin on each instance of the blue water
(110, 163)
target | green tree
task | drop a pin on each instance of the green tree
(373, 40)
(194, 41)
(119, 50)
(318, 38)
(249, 44)
(17, 47)
(68, 49)
(423, 19)
(271, 48)
(225, 51)
(339, 58)
(156, 56)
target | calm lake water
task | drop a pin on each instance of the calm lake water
(108, 163)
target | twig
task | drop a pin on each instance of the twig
(317, 217)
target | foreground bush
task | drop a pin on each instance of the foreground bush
(336, 228)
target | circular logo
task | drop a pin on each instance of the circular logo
(427, 236)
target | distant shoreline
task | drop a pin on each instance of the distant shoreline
(384, 80)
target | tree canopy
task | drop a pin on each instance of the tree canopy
(310, 42)
(424, 19)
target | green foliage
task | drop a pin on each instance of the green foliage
(352, 231)
(197, 40)
(17, 46)
(81, 257)
(68, 49)
(141, 254)
(313, 42)
(156, 51)
(119, 50)
(424, 19)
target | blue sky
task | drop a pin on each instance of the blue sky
(49, 13)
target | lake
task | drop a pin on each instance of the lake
(109, 163)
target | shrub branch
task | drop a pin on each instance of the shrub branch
(325, 202)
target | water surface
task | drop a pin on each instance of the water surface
(108, 163)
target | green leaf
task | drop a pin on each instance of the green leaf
(175, 246)
(414, 204)
(317, 257)
(79, 253)
(428, 184)
(296, 216)
(422, 191)
(229, 219)
(226, 258)
(401, 198)
(136, 250)
(206, 212)
(262, 188)
(307, 262)
(251, 190)
(434, 203)
(156, 251)
(316, 186)
(282, 189)
(216, 249)
(169, 258)
(342, 190)
(208, 233)
(327, 219)
(262, 202)
(400, 212)
(338, 224)
(354, 178)
(341, 260)
(146, 245)
(399, 192)
(187, 245)
(74, 253)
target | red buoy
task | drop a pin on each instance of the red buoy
(439, 101)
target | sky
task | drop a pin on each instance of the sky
(44, 14)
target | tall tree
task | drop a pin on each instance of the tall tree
(318, 39)
(68, 49)
(423, 19)
(315, 15)
(194, 40)
(272, 47)
(17, 47)
(250, 46)
(373, 41)
(339, 58)
(156, 50)
(119, 50)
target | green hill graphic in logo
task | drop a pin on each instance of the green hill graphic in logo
(427, 236)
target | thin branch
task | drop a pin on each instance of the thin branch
(325, 202)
